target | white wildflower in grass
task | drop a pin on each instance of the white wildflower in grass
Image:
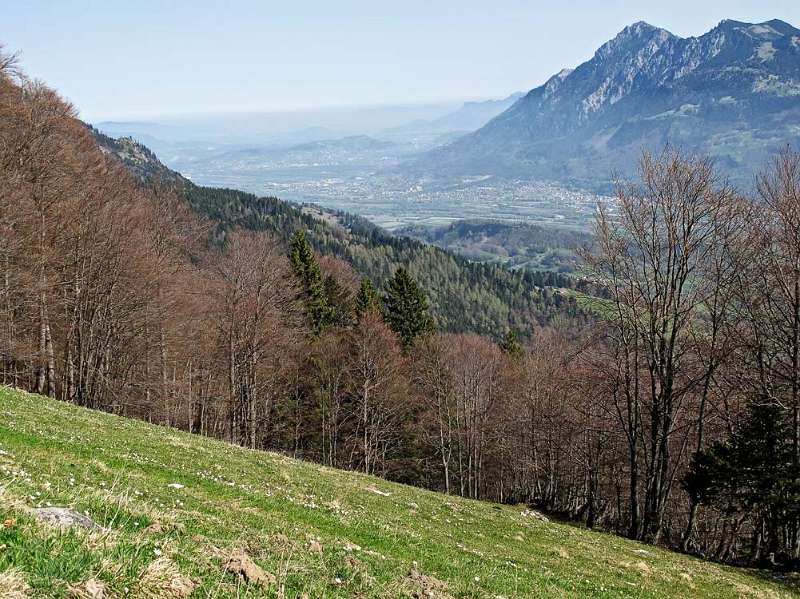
(157, 552)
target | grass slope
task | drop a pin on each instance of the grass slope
(320, 532)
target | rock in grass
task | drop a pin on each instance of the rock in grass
(372, 489)
(240, 563)
(536, 515)
(64, 517)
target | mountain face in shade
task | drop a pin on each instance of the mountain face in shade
(733, 93)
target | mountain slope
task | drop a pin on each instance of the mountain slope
(175, 506)
(732, 93)
(465, 297)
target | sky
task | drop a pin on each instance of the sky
(138, 59)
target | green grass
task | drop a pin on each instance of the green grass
(320, 532)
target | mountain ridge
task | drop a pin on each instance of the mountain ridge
(732, 93)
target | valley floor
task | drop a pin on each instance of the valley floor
(175, 507)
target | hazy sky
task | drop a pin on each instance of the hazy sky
(138, 58)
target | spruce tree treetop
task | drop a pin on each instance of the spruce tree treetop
(511, 345)
(313, 292)
(367, 299)
(405, 308)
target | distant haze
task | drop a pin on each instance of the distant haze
(138, 60)
(316, 123)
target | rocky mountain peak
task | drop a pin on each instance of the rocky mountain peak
(636, 37)
(733, 93)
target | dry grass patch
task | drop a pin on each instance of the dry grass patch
(13, 585)
(162, 579)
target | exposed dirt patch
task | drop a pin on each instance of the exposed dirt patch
(239, 563)
(422, 586)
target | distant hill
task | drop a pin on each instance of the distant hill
(468, 117)
(732, 93)
(137, 158)
(342, 148)
(513, 244)
(473, 115)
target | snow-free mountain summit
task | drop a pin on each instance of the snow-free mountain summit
(732, 93)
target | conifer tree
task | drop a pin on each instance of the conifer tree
(511, 345)
(339, 302)
(751, 473)
(313, 291)
(406, 308)
(367, 299)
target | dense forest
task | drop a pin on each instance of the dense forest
(465, 297)
(673, 418)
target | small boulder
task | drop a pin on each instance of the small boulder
(154, 528)
(64, 517)
(373, 489)
(536, 515)
(315, 546)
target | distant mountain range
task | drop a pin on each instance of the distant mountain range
(425, 127)
(465, 119)
(732, 93)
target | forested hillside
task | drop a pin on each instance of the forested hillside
(465, 297)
